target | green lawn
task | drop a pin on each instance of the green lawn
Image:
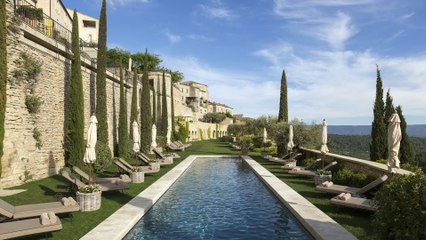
(357, 222)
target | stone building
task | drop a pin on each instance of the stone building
(88, 27)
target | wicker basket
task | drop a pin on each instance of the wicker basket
(89, 201)
(137, 177)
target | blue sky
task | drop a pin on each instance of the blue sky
(329, 49)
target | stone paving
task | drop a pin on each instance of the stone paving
(320, 225)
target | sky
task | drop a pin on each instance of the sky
(329, 50)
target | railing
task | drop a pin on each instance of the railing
(35, 18)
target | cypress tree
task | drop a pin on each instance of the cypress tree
(123, 135)
(3, 74)
(406, 152)
(154, 106)
(389, 110)
(146, 118)
(378, 129)
(101, 107)
(134, 106)
(173, 110)
(283, 112)
(74, 149)
(164, 114)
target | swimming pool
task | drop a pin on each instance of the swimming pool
(218, 198)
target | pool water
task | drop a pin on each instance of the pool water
(218, 198)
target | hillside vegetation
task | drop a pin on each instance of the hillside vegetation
(358, 146)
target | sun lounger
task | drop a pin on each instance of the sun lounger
(150, 161)
(309, 173)
(309, 167)
(334, 188)
(165, 159)
(84, 175)
(33, 210)
(105, 186)
(121, 163)
(27, 227)
(286, 159)
(174, 147)
(355, 202)
(181, 144)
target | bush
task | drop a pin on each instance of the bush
(103, 157)
(213, 117)
(401, 212)
(37, 137)
(33, 103)
(307, 161)
(384, 161)
(352, 178)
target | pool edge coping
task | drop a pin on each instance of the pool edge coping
(316, 222)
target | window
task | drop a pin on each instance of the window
(89, 24)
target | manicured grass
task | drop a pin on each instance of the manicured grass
(357, 222)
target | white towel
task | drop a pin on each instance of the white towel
(344, 196)
(324, 184)
(66, 202)
(72, 201)
(44, 219)
(52, 217)
(327, 184)
(340, 196)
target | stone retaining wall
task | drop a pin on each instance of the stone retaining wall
(22, 160)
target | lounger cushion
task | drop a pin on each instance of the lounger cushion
(355, 202)
(27, 227)
(30, 210)
(337, 189)
(6, 209)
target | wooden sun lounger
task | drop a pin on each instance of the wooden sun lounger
(121, 163)
(286, 159)
(181, 144)
(27, 227)
(310, 173)
(309, 167)
(104, 185)
(146, 159)
(84, 175)
(353, 190)
(174, 147)
(355, 202)
(33, 210)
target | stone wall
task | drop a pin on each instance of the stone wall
(22, 160)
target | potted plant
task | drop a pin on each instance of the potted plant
(265, 145)
(137, 175)
(245, 143)
(89, 197)
(322, 176)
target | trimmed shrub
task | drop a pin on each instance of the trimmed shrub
(401, 212)
(352, 178)
(3, 73)
(103, 157)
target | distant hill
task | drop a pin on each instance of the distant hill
(417, 130)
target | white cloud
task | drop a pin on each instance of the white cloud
(173, 39)
(276, 54)
(335, 31)
(407, 16)
(125, 2)
(395, 36)
(201, 38)
(217, 10)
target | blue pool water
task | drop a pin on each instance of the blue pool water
(218, 199)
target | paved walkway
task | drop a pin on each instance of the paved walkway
(320, 225)
(10, 192)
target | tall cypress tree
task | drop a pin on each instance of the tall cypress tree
(74, 141)
(146, 118)
(283, 112)
(389, 110)
(123, 135)
(154, 106)
(173, 109)
(406, 152)
(134, 106)
(378, 128)
(3, 74)
(101, 107)
(164, 113)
